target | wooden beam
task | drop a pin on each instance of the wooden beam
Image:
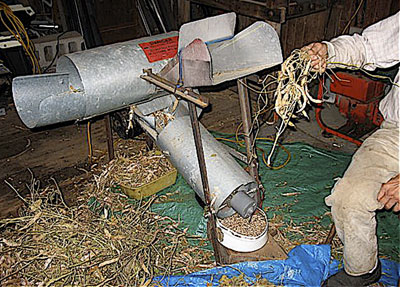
(183, 11)
(239, 7)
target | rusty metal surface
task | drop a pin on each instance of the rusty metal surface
(204, 178)
(248, 134)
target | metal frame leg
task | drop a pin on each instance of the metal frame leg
(245, 110)
(110, 141)
(204, 178)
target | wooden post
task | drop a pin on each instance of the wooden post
(183, 12)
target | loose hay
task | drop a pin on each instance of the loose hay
(141, 168)
(290, 234)
(242, 280)
(112, 241)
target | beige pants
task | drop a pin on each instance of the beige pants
(354, 198)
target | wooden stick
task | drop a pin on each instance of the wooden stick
(171, 87)
(331, 234)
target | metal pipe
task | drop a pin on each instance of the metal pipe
(143, 17)
(87, 83)
(158, 15)
(225, 176)
(199, 152)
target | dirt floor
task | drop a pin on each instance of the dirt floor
(60, 152)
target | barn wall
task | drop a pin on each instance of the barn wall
(297, 32)
(119, 20)
(328, 24)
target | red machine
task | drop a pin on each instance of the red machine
(357, 98)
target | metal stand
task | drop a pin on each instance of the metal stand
(245, 110)
(110, 141)
(193, 99)
(204, 178)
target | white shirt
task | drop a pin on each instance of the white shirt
(376, 47)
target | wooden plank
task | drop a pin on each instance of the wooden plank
(118, 21)
(49, 151)
(332, 28)
(382, 10)
(370, 13)
(284, 35)
(289, 44)
(300, 28)
(242, 8)
(320, 27)
(349, 8)
(183, 11)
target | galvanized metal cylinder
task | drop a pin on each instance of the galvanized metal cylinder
(226, 177)
(87, 84)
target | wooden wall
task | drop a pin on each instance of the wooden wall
(328, 24)
(324, 25)
(118, 20)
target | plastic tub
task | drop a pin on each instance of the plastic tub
(242, 243)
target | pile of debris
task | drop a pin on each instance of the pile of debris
(104, 239)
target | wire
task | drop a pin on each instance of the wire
(352, 17)
(240, 143)
(288, 158)
(57, 51)
(17, 29)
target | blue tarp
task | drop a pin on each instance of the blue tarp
(307, 265)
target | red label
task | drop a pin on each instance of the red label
(160, 49)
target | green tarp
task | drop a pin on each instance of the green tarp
(295, 193)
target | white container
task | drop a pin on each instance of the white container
(241, 243)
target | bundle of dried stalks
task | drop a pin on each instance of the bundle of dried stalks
(292, 91)
(105, 239)
(140, 168)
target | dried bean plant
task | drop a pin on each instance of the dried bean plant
(106, 239)
(140, 168)
(242, 281)
(292, 95)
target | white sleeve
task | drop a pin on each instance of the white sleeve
(377, 46)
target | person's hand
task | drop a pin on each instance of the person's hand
(389, 194)
(319, 54)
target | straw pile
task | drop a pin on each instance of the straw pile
(140, 168)
(105, 239)
(311, 231)
(242, 280)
